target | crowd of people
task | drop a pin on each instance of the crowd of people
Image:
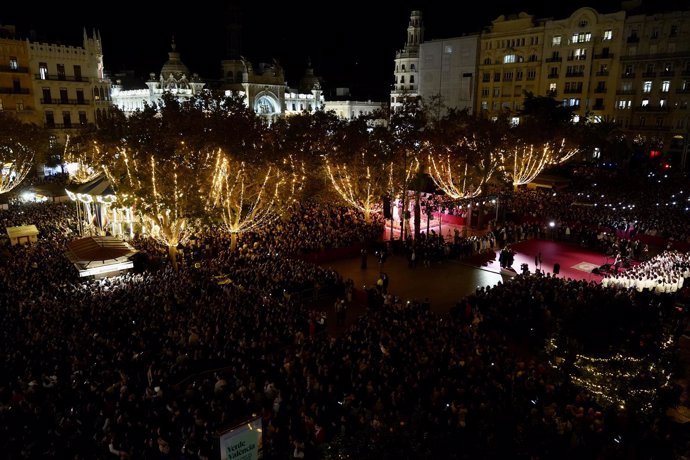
(157, 362)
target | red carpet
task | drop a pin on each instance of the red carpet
(575, 262)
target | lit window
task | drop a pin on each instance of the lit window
(556, 41)
(608, 35)
(645, 102)
(13, 63)
(647, 86)
(509, 59)
(665, 86)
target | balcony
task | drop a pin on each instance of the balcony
(57, 101)
(649, 75)
(574, 74)
(628, 75)
(626, 92)
(603, 56)
(7, 68)
(552, 75)
(598, 107)
(599, 90)
(652, 108)
(572, 91)
(6, 90)
(65, 126)
(667, 73)
(603, 73)
(633, 39)
(683, 91)
(61, 78)
(554, 59)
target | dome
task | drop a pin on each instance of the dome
(174, 65)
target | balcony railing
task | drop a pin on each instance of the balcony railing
(38, 76)
(626, 92)
(667, 73)
(602, 73)
(552, 75)
(554, 59)
(649, 74)
(603, 56)
(600, 90)
(574, 74)
(66, 126)
(598, 107)
(652, 108)
(683, 91)
(6, 90)
(7, 68)
(572, 91)
(57, 101)
(628, 75)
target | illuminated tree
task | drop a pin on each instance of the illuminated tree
(461, 172)
(361, 184)
(164, 191)
(20, 144)
(249, 197)
(522, 163)
(84, 163)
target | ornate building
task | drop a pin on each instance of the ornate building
(405, 83)
(174, 77)
(70, 88)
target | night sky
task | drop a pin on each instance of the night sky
(349, 43)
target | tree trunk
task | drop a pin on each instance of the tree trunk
(417, 214)
(172, 254)
(233, 241)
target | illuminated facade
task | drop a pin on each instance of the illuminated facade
(581, 64)
(509, 63)
(70, 88)
(16, 88)
(174, 77)
(653, 81)
(406, 74)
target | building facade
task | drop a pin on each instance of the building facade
(582, 60)
(447, 72)
(406, 75)
(70, 88)
(16, 88)
(626, 68)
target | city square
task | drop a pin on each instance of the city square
(492, 263)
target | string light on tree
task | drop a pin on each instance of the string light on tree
(248, 200)
(83, 165)
(523, 163)
(361, 186)
(15, 162)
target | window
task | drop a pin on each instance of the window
(412, 67)
(531, 74)
(63, 96)
(655, 33)
(403, 67)
(662, 102)
(553, 88)
(556, 41)
(487, 61)
(623, 104)
(82, 118)
(626, 86)
(629, 70)
(61, 72)
(50, 119)
(80, 96)
(647, 86)
(402, 79)
(42, 70)
(581, 37)
(509, 59)
(1, 106)
(508, 76)
(497, 92)
(497, 76)
(20, 106)
(13, 63)
(518, 75)
(17, 85)
(485, 91)
(411, 78)
(665, 86)
(674, 31)
(645, 103)
(67, 119)
(580, 53)
(650, 68)
(486, 76)
(77, 73)
(47, 99)
(608, 35)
